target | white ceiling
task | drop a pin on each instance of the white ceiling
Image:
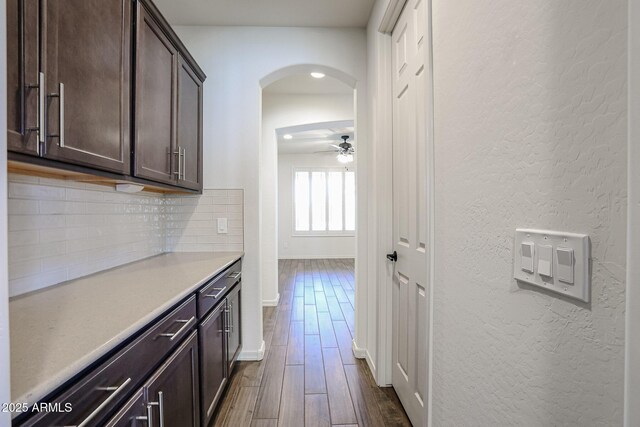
(314, 137)
(271, 13)
(304, 84)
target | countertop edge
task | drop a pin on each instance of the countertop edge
(35, 395)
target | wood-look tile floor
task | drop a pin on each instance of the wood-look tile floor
(309, 376)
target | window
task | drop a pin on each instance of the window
(324, 201)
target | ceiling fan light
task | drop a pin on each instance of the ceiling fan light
(345, 158)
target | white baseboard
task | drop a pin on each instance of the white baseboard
(271, 302)
(332, 256)
(252, 355)
(358, 352)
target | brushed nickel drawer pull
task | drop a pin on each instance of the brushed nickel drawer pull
(234, 275)
(219, 290)
(116, 390)
(187, 324)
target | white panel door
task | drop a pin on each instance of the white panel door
(410, 209)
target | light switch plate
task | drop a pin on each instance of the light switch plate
(574, 280)
(222, 226)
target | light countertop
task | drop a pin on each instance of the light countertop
(58, 331)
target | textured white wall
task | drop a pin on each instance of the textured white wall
(284, 110)
(302, 247)
(530, 131)
(235, 60)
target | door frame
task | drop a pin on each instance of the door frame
(384, 166)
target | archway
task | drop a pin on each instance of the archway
(268, 184)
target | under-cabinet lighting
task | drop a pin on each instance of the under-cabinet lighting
(129, 188)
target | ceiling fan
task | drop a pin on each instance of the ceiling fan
(345, 150)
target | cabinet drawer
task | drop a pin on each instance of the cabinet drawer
(217, 288)
(105, 388)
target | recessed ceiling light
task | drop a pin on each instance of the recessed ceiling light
(317, 75)
(287, 136)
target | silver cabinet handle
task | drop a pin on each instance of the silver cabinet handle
(116, 391)
(234, 275)
(231, 317)
(187, 324)
(227, 329)
(41, 111)
(60, 96)
(148, 418)
(184, 164)
(61, 115)
(160, 405)
(179, 157)
(219, 290)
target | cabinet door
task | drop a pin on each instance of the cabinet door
(213, 361)
(189, 126)
(133, 414)
(23, 66)
(173, 391)
(87, 65)
(234, 345)
(156, 68)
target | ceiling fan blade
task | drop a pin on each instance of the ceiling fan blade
(329, 151)
(336, 146)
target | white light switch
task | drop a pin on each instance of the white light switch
(565, 265)
(222, 225)
(527, 256)
(560, 261)
(545, 260)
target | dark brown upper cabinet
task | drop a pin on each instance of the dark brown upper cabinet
(156, 153)
(189, 126)
(168, 105)
(87, 64)
(71, 102)
(23, 76)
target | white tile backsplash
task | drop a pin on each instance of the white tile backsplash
(61, 230)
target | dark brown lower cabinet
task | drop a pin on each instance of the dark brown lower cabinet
(173, 391)
(184, 391)
(234, 342)
(213, 361)
(171, 396)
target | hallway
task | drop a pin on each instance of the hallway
(309, 375)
